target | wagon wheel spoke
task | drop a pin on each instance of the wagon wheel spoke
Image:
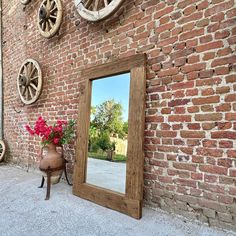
(95, 6)
(25, 70)
(47, 26)
(36, 77)
(33, 86)
(31, 92)
(53, 17)
(27, 94)
(48, 4)
(88, 3)
(50, 23)
(105, 2)
(24, 90)
(53, 6)
(32, 72)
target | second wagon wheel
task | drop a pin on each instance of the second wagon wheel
(25, 2)
(96, 10)
(29, 81)
(49, 17)
(2, 150)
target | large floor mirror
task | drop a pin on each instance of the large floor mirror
(109, 152)
(108, 132)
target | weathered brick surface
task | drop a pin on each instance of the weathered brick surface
(190, 134)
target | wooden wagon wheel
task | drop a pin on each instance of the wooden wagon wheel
(96, 10)
(25, 2)
(49, 17)
(2, 150)
(29, 81)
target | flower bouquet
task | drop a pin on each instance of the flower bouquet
(58, 134)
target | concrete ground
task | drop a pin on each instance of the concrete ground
(106, 174)
(24, 212)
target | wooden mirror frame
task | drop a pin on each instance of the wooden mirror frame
(129, 203)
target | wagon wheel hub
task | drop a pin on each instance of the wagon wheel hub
(44, 13)
(24, 81)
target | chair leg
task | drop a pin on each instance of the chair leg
(42, 182)
(67, 180)
(48, 185)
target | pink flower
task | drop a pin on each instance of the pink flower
(62, 122)
(27, 127)
(56, 140)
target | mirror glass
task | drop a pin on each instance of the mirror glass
(108, 132)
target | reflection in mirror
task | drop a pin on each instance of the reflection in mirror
(108, 132)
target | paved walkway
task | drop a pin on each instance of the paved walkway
(24, 212)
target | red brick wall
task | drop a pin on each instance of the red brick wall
(190, 135)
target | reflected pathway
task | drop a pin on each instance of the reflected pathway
(106, 174)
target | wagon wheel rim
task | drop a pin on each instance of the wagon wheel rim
(50, 17)
(29, 81)
(2, 150)
(25, 2)
(96, 10)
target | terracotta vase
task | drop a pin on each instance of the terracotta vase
(52, 160)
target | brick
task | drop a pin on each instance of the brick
(178, 102)
(224, 134)
(213, 169)
(183, 85)
(232, 173)
(222, 34)
(194, 67)
(163, 12)
(230, 98)
(223, 125)
(179, 118)
(193, 109)
(208, 91)
(223, 61)
(222, 90)
(166, 134)
(209, 143)
(194, 126)
(230, 116)
(225, 144)
(207, 108)
(224, 162)
(223, 70)
(209, 46)
(206, 100)
(210, 178)
(230, 78)
(208, 56)
(231, 153)
(185, 166)
(223, 107)
(191, 34)
(171, 71)
(209, 152)
(192, 134)
(224, 52)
